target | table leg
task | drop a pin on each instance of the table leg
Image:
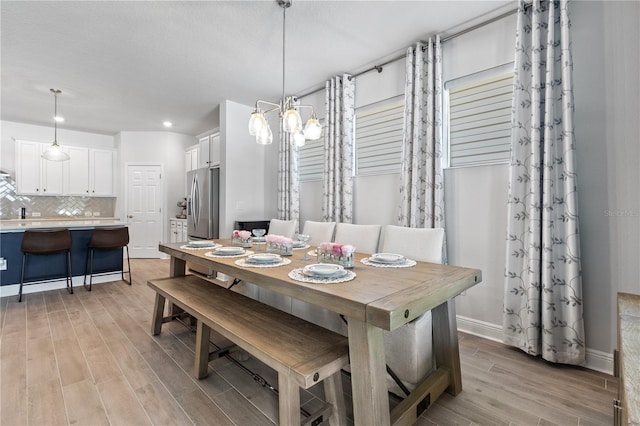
(368, 374)
(445, 343)
(177, 268)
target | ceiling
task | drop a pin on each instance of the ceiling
(130, 65)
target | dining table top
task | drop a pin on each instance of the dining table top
(385, 297)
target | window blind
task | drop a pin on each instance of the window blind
(379, 139)
(311, 158)
(480, 121)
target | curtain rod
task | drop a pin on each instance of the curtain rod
(443, 40)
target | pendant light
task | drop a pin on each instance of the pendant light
(287, 108)
(55, 152)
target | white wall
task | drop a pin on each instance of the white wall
(164, 148)
(30, 132)
(245, 188)
(606, 56)
(476, 197)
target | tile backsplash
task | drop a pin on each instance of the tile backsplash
(51, 206)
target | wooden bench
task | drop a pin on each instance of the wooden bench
(302, 353)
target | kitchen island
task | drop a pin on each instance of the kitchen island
(45, 271)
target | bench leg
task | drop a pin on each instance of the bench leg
(201, 365)
(289, 400)
(334, 395)
(158, 312)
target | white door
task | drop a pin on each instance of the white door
(144, 188)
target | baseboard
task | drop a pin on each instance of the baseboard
(12, 289)
(596, 360)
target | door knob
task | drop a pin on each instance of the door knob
(130, 217)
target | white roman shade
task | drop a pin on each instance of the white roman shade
(480, 121)
(379, 138)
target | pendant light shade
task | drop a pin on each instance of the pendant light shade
(265, 136)
(55, 152)
(297, 139)
(257, 122)
(291, 121)
(313, 129)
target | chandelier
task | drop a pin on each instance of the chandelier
(287, 108)
(55, 152)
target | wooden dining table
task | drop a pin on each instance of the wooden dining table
(377, 299)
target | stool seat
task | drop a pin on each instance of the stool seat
(46, 242)
(107, 239)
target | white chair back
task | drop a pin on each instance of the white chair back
(321, 232)
(421, 244)
(364, 237)
(286, 228)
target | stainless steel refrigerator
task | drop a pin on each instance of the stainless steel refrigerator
(203, 203)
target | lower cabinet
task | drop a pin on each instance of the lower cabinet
(178, 230)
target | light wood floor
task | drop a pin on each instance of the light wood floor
(88, 359)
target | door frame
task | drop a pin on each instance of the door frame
(163, 196)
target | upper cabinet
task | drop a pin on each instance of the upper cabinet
(88, 172)
(101, 173)
(209, 150)
(77, 172)
(35, 175)
(191, 158)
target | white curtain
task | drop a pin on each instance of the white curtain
(288, 179)
(337, 205)
(543, 284)
(421, 181)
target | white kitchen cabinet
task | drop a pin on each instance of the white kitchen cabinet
(89, 172)
(76, 171)
(35, 175)
(101, 173)
(210, 150)
(178, 230)
(191, 158)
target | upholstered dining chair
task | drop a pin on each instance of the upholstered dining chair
(286, 228)
(363, 237)
(321, 232)
(409, 349)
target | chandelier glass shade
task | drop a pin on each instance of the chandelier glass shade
(287, 109)
(55, 152)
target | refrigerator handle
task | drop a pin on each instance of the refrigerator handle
(196, 201)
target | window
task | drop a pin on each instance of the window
(311, 158)
(479, 112)
(378, 137)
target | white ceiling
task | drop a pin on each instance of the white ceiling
(129, 65)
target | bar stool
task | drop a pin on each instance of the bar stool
(44, 243)
(106, 239)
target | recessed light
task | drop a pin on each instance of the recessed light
(167, 124)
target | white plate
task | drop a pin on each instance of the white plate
(387, 258)
(201, 243)
(228, 251)
(264, 258)
(323, 270)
